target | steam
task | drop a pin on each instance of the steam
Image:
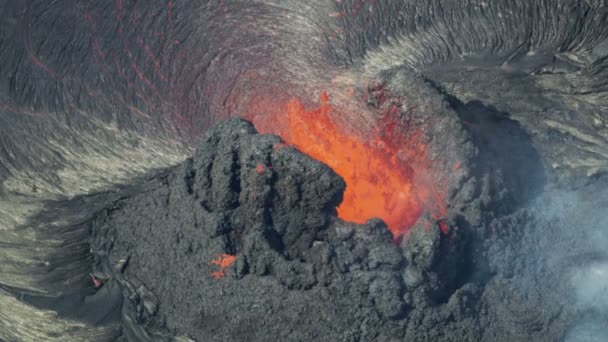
(591, 285)
(588, 332)
(579, 223)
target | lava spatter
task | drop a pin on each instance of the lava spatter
(223, 261)
(379, 183)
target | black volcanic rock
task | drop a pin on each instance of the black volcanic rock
(300, 273)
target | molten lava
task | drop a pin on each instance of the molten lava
(378, 182)
(223, 261)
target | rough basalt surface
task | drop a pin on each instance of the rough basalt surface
(300, 273)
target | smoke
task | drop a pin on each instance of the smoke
(591, 284)
(577, 223)
(587, 332)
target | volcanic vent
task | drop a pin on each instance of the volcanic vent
(250, 214)
(475, 130)
(387, 168)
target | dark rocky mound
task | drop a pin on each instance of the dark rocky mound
(300, 273)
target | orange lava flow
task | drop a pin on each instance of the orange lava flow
(223, 261)
(379, 183)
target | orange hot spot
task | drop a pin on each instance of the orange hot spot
(377, 184)
(223, 261)
(379, 171)
(260, 168)
(444, 228)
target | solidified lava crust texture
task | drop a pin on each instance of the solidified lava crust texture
(265, 170)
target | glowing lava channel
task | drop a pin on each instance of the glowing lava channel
(378, 184)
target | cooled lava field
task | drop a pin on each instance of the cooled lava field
(289, 170)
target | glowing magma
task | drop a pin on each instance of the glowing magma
(378, 182)
(223, 261)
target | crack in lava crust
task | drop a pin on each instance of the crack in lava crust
(379, 171)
